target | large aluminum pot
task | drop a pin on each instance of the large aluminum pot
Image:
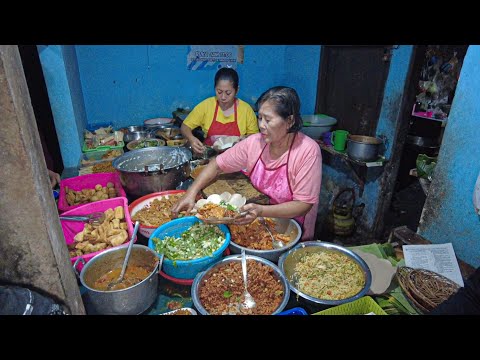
(130, 301)
(154, 169)
(363, 148)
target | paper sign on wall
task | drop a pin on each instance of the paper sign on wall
(208, 57)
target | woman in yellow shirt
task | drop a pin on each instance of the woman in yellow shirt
(220, 115)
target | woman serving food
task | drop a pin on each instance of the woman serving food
(281, 162)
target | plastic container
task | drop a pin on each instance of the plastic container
(361, 306)
(186, 269)
(315, 125)
(88, 181)
(319, 119)
(146, 200)
(72, 228)
(120, 145)
(294, 311)
(95, 157)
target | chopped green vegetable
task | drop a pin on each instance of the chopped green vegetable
(227, 294)
(227, 205)
(200, 240)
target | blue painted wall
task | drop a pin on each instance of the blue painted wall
(448, 215)
(125, 85)
(61, 75)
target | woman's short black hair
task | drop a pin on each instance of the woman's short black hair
(285, 102)
(227, 74)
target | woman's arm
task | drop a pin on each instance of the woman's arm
(287, 210)
(197, 145)
(187, 202)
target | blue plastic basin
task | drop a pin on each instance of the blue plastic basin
(186, 269)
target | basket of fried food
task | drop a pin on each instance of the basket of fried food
(425, 289)
(220, 209)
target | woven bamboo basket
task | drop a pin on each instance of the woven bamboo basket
(425, 289)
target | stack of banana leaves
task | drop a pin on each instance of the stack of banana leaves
(393, 302)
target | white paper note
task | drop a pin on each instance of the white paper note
(439, 258)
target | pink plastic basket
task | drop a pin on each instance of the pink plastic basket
(72, 228)
(87, 182)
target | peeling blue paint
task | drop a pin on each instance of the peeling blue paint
(390, 110)
(449, 215)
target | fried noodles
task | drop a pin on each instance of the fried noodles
(329, 275)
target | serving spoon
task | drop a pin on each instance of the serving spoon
(248, 302)
(277, 244)
(127, 257)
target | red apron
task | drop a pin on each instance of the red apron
(274, 182)
(218, 129)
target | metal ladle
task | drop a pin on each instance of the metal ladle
(127, 257)
(277, 244)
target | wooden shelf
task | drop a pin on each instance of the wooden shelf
(379, 162)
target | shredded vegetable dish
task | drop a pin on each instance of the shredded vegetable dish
(200, 240)
(328, 275)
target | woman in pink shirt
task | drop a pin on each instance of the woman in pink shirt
(282, 163)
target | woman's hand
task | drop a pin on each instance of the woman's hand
(197, 145)
(54, 178)
(254, 211)
(187, 202)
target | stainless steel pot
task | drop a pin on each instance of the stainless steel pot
(363, 148)
(130, 301)
(154, 169)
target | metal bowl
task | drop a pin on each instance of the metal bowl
(289, 259)
(156, 122)
(133, 128)
(283, 226)
(172, 133)
(144, 143)
(199, 278)
(136, 135)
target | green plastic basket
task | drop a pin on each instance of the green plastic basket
(361, 306)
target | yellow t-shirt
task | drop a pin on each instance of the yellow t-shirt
(202, 115)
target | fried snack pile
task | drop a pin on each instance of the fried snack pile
(90, 195)
(159, 212)
(255, 236)
(103, 167)
(112, 232)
